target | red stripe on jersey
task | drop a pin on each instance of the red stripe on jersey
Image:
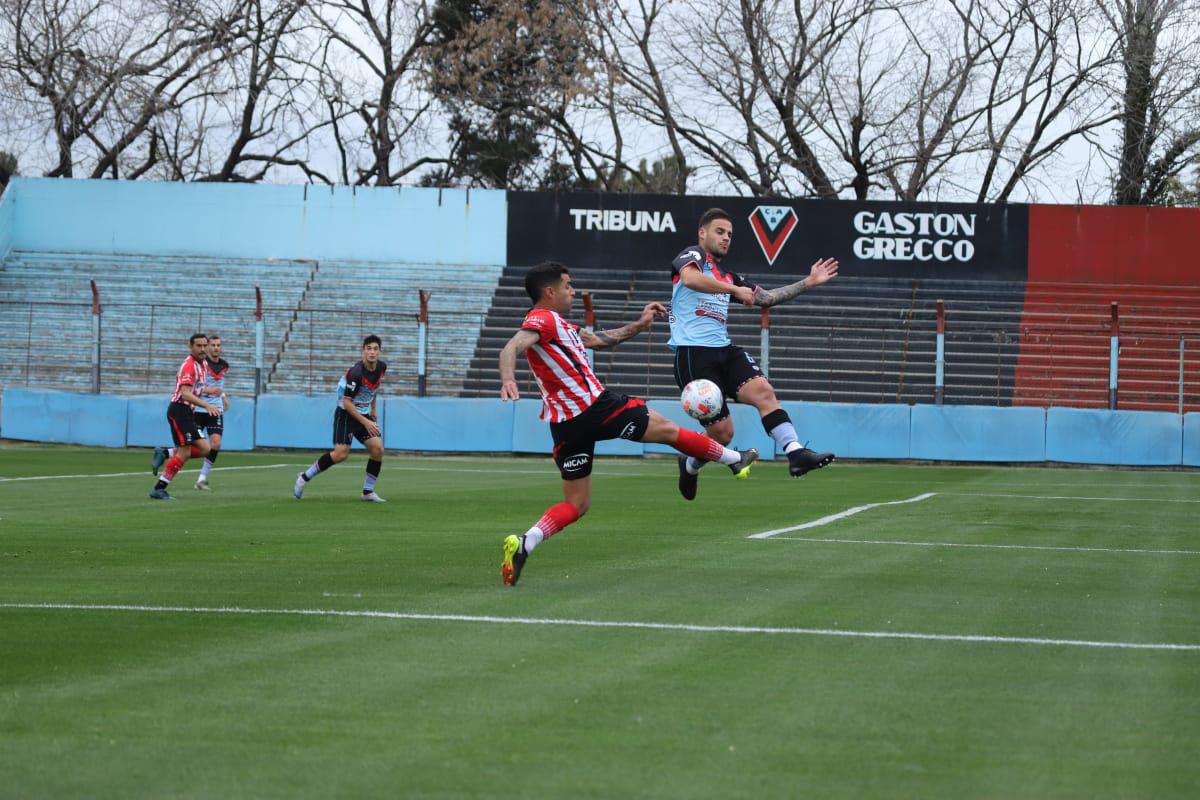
(191, 373)
(559, 363)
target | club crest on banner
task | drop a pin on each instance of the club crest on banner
(772, 225)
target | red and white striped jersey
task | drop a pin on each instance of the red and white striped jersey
(560, 365)
(191, 372)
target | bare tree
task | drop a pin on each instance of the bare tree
(1159, 45)
(371, 87)
(95, 75)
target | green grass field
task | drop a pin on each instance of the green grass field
(760, 679)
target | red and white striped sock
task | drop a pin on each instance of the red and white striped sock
(554, 520)
(698, 445)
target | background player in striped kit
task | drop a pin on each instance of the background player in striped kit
(213, 391)
(181, 416)
(579, 409)
(354, 416)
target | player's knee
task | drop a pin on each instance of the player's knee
(721, 432)
(339, 454)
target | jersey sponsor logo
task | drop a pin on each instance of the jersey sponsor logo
(576, 462)
(772, 226)
(612, 219)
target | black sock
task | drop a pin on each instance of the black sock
(160, 485)
(212, 456)
(373, 468)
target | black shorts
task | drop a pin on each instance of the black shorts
(182, 420)
(729, 367)
(612, 416)
(214, 424)
(345, 426)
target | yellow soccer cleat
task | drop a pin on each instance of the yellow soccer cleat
(741, 470)
(514, 560)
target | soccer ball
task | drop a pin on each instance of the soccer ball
(701, 399)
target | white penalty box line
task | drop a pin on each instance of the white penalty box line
(614, 624)
(840, 515)
(774, 534)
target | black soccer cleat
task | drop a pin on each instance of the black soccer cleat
(803, 460)
(741, 470)
(687, 481)
(160, 494)
(158, 459)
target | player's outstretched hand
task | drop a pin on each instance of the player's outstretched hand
(823, 271)
(651, 311)
(743, 294)
(508, 391)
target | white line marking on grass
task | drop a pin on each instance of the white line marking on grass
(1072, 497)
(989, 546)
(587, 623)
(128, 474)
(849, 512)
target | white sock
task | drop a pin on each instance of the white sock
(204, 469)
(693, 465)
(730, 457)
(785, 436)
(532, 538)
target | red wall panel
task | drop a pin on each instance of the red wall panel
(1108, 244)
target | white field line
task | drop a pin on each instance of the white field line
(849, 512)
(990, 546)
(1071, 497)
(143, 473)
(586, 623)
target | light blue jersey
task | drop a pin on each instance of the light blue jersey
(698, 319)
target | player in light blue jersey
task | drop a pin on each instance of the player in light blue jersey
(354, 418)
(700, 296)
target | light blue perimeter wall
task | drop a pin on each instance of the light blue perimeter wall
(7, 204)
(247, 221)
(485, 425)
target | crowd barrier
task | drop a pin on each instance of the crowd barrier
(483, 425)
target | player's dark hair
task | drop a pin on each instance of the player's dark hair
(547, 273)
(712, 214)
(196, 336)
(373, 339)
(216, 336)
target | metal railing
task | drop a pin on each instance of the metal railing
(128, 348)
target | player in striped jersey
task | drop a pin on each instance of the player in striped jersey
(579, 409)
(181, 415)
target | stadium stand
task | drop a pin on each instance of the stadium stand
(150, 305)
(1065, 346)
(345, 301)
(852, 340)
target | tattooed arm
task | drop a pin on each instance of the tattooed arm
(823, 271)
(600, 339)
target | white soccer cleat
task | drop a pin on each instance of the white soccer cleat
(202, 485)
(298, 486)
(371, 497)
